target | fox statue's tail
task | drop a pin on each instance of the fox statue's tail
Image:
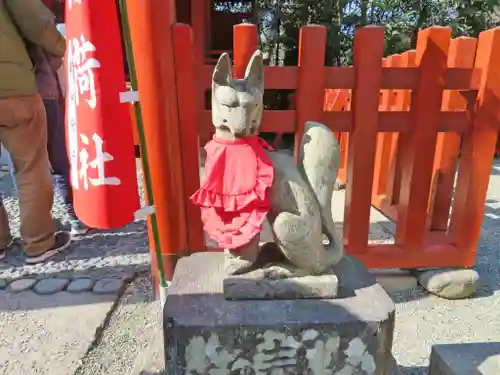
(319, 164)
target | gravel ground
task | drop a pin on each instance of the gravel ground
(115, 252)
(132, 343)
(423, 320)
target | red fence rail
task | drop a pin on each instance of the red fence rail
(404, 119)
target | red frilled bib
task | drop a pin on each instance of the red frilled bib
(234, 194)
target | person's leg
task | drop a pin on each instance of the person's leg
(6, 239)
(58, 157)
(23, 132)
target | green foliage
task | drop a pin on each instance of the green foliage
(280, 21)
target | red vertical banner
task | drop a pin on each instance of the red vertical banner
(99, 128)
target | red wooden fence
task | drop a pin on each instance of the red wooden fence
(392, 147)
(399, 141)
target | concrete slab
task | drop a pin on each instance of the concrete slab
(465, 359)
(50, 340)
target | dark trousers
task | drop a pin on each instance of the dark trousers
(58, 155)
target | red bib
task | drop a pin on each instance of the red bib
(234, 195)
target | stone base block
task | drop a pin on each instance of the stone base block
(465, 359)
(206, 334)
(255, 286)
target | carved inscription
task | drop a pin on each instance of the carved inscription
(279, 353)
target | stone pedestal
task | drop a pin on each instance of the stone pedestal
(207, 334)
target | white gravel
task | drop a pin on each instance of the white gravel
(132, 343)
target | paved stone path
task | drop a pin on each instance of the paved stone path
(52, 285)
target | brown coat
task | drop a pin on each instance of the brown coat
(20, 21)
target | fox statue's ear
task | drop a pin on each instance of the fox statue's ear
(223, 72)
(254, 73)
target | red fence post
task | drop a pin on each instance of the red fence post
(477, 150)
(400, 141)
(386, 160)
(185, 70)
(368, 54)
(311, 81)
(431, 59)
(343, 104)
(462, 53)
(151, 33)
(199, 28)
(245, 42)
(384, 143)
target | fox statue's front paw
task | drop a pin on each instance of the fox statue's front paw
(283, 271)
(235, 265)
(276, 272)
(243, 259)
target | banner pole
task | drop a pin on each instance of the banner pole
(144, 155)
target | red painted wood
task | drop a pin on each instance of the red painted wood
(407, 136)
(462, 53)
(368, 53)
(310, 83)
(151, 32)
(431, 58)
(185, 67)
(477, 150)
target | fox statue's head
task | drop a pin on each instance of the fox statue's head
(237, 103)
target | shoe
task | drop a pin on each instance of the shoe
(3, 252)
(78, 228)
(61, 242)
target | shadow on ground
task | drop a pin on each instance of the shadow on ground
(121, 253)
(495, 171)
(413, 370)
(129, 240)
(491, 218)
(132, 341)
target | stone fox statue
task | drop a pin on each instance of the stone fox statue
(246, 182)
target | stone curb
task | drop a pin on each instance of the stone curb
(128, 272)
(53, 285)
